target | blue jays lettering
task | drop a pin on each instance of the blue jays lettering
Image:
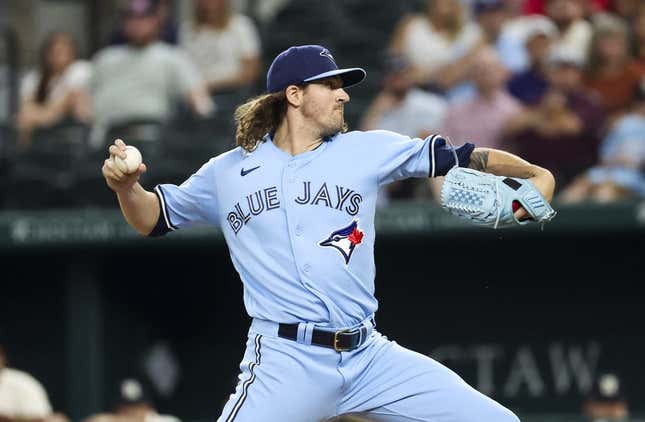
(338, 198)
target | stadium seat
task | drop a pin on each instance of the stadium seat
(7, 150)
(42, 174)
(61, 147)
(145, 134)
(188, 143)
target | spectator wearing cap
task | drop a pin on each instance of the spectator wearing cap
(611, 72)
(144, 79)
(224, 45)
(168, 31)
(439, 44)
(485, 116)
(606, 403)
(530, 85)
(562, 131)
(22, 397)
(619, 173)
(403, 108)
(132, 403)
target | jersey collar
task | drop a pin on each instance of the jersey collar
(303, 157)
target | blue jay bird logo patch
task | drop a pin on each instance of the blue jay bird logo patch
(345, 240)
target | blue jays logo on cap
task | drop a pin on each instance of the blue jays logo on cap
(307, 63)
(345, 240)
(326, 53)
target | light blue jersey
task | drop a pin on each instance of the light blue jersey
(300, 229)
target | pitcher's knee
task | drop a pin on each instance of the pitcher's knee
(490, 412)
(508, 417)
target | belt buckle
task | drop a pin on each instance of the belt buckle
(337, 341)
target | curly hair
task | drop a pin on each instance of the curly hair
(257, 117)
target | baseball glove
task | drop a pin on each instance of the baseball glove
(489, 200)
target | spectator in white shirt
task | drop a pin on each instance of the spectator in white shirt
(401, 107)
(56, 89)
(145, 79)
(22, 397)
(223, 44)
(440, 44)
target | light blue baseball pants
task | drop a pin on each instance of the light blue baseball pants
(284, 380)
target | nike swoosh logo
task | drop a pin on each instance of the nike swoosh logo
(245, 172)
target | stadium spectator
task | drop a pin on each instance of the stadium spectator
(167, 33)
(132, 404)
(144, 79)
(562, 131)
(223, 44)
(606, 403)
(611, 71)
(56, 89)
(400, 106)
(22, 397)
(515, 34)
(619, 174)
(439, 44)
(483, 118)
(490, 16)
(575, 32)
(510, 29)
(530, 85)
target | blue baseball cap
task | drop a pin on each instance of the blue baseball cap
(307, 63)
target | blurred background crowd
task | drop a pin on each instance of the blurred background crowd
(559, 82)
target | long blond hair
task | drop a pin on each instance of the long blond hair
(257, 117)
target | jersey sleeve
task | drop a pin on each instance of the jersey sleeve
(402, 157)
(192, 202)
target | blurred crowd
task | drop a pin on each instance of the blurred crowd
(559, 82)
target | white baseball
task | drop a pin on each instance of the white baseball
(131, 162)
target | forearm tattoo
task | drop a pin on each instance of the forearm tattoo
(479, 159)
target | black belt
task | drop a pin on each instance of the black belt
(340, 341)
